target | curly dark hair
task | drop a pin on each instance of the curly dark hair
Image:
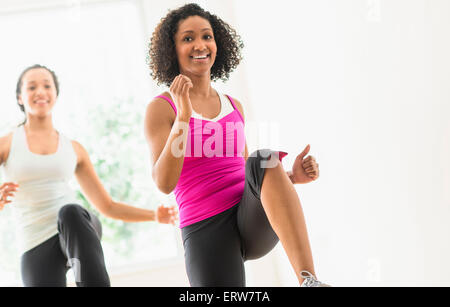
(162, 57)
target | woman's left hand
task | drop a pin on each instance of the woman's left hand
(167, 215)
(304, 170)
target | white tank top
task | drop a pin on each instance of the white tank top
(43, 188)
(225, 109)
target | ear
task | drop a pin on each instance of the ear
(20, 101)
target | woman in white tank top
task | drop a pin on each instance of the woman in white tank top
(55, 233)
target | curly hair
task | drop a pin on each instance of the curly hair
(162, 57)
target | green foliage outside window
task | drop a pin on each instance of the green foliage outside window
(113, 135)
(117, 148)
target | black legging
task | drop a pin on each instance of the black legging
(216, 248)
(77, 246)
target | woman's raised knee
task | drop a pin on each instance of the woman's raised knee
(263, 158)
(70, 212)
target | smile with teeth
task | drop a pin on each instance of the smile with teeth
(41, 101)
(200, 57)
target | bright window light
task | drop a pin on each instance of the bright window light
(98, 52)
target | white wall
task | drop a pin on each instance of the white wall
(366, 84)
(150, 12)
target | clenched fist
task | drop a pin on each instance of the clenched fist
(179, 90)
(7, 190)
(166, 215)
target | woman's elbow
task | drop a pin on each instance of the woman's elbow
(166, 189)
(107, 209)
(163, 185)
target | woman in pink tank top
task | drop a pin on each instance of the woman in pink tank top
(233, 206)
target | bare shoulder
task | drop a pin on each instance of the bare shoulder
(239, 106)
(77, 146)
(160, 111)
(80, 151)
(6, 139)
(5, 146)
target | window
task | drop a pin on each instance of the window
(98, 51)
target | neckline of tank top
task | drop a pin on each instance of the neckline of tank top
(196, 115)
(235, 110)
(58, 149)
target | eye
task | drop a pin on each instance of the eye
(208, 37)
(47, 86)
(187, 39)
(31, 88)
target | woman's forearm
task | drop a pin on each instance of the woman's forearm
(167, 169)
(291, 176)
(126, 213)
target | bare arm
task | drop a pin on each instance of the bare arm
(167, 134)
(5, 145)
(2, 145)
(95, 192)
(7, 189)
(167, 143)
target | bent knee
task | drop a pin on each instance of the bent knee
(263, 158)
(70, 212)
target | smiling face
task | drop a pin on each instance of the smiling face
(195, 46)
(38, 92)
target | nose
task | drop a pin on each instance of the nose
(40, 91)
(199, 46)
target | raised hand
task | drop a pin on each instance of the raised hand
(304, 169)
(7, 190)
(179, 90)
(167, 215)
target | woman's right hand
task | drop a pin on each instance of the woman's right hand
(167, 215)
(7, 190)
(179, 90)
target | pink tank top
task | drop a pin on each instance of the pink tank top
(213, 176)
